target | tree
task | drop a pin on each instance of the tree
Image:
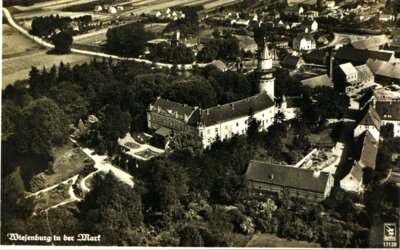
(166, 184)
(111, 209)
(114, 123)
(190, 237)
(128, 40)
(187, 140)
(62, 42)
(41, 126)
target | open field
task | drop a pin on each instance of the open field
(271, 240)
(14, 44)
(20, 54)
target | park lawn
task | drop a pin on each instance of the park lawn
(271, 240)
(68, 162)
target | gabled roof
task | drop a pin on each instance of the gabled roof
(307, 37)
(356, 172)
(291, 61)
(389, 110)
(364, 73)
(348, 68)
(287, 176)
(370, 42)
(236, 109)
(369, 151)
(322, 80)
(171, 108)
(382, 68)
(370, 118)
(361, 56)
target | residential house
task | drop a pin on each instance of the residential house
(323, 39)
(318, 81)
(220, 65)
(293, 10)
(389, 111)
(288, 106)
(309, 15)
(288, 181)
(112, 10)
(98, 8)
(292, 62)
(364, 74)
(369, 151)
(386, 17)
(359, 56)
(304, 42)
(242, 22)
(353, 181)
(386, 73)
(346, 72)
(154, 13)
(371, 43)
(370, 121)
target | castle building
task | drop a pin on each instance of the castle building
(265, 69)
(166, 117)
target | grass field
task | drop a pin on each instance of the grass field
(14, 44)
(20, 54)
(271, 240)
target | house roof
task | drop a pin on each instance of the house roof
(315, 56)
(291, 61)
(348, 68)
(382, 68)
(370, 42)
(356, 172)
(361, 56)
(287, 176)
(322, 80)
(370, 118)
(389, 110)
(220, 65)
(369, 151)
(236, 109)
(171, 108)
(307, 37)
(364, 73)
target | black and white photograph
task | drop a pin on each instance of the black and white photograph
(182, 124)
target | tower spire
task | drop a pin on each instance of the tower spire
(265, 69)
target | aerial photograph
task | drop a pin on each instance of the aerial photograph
(200, 123)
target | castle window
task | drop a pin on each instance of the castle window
(208, 131)
(216, 130)
(237, 124)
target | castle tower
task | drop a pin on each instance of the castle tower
(265, 69)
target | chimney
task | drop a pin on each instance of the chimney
(272, 176)
(233, 106)
(207, 111)
(158, 109)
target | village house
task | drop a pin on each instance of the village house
(371, 43)
(370, 121)
(288, 107)
(318, 81)
(293, 10)
(353, 181)
(359, 57)
(264, 177)
(292, 62)
(369, 151)
(389, 111)
(309, 15)
(386, 17)
(304, 42)
(386, 73)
